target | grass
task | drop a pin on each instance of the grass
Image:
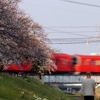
(29, 88)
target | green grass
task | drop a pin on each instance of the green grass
(18, 88)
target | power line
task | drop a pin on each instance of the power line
(70, 26)
(75, 32)
(60, 9)
(72, 41)
(70, 1)
(75, 42)
(71, 33)
(53, 29)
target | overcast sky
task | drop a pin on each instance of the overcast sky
(67, 19)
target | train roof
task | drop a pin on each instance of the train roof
(94, 54)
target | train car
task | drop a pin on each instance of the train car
(25, 66)
(85, 63)
(77, 63)
(63, 63)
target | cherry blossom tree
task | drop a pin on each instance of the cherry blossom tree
(20, 36)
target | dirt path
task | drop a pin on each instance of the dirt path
(76, 97)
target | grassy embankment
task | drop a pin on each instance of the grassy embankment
(18, 88)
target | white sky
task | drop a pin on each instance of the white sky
(57, 15)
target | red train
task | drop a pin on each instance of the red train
(77, 63)
(25, 66)
(65, 63)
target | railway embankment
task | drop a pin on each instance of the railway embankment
(28, 88)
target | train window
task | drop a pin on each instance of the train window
(98, 62)
(74, 60)
(92, 62)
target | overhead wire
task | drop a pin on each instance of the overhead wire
(71, 33)
(70, 26)
(74, 32)
(82, 41)
(87, 39)
(60, 9)
(72, 40)
(70, 1)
